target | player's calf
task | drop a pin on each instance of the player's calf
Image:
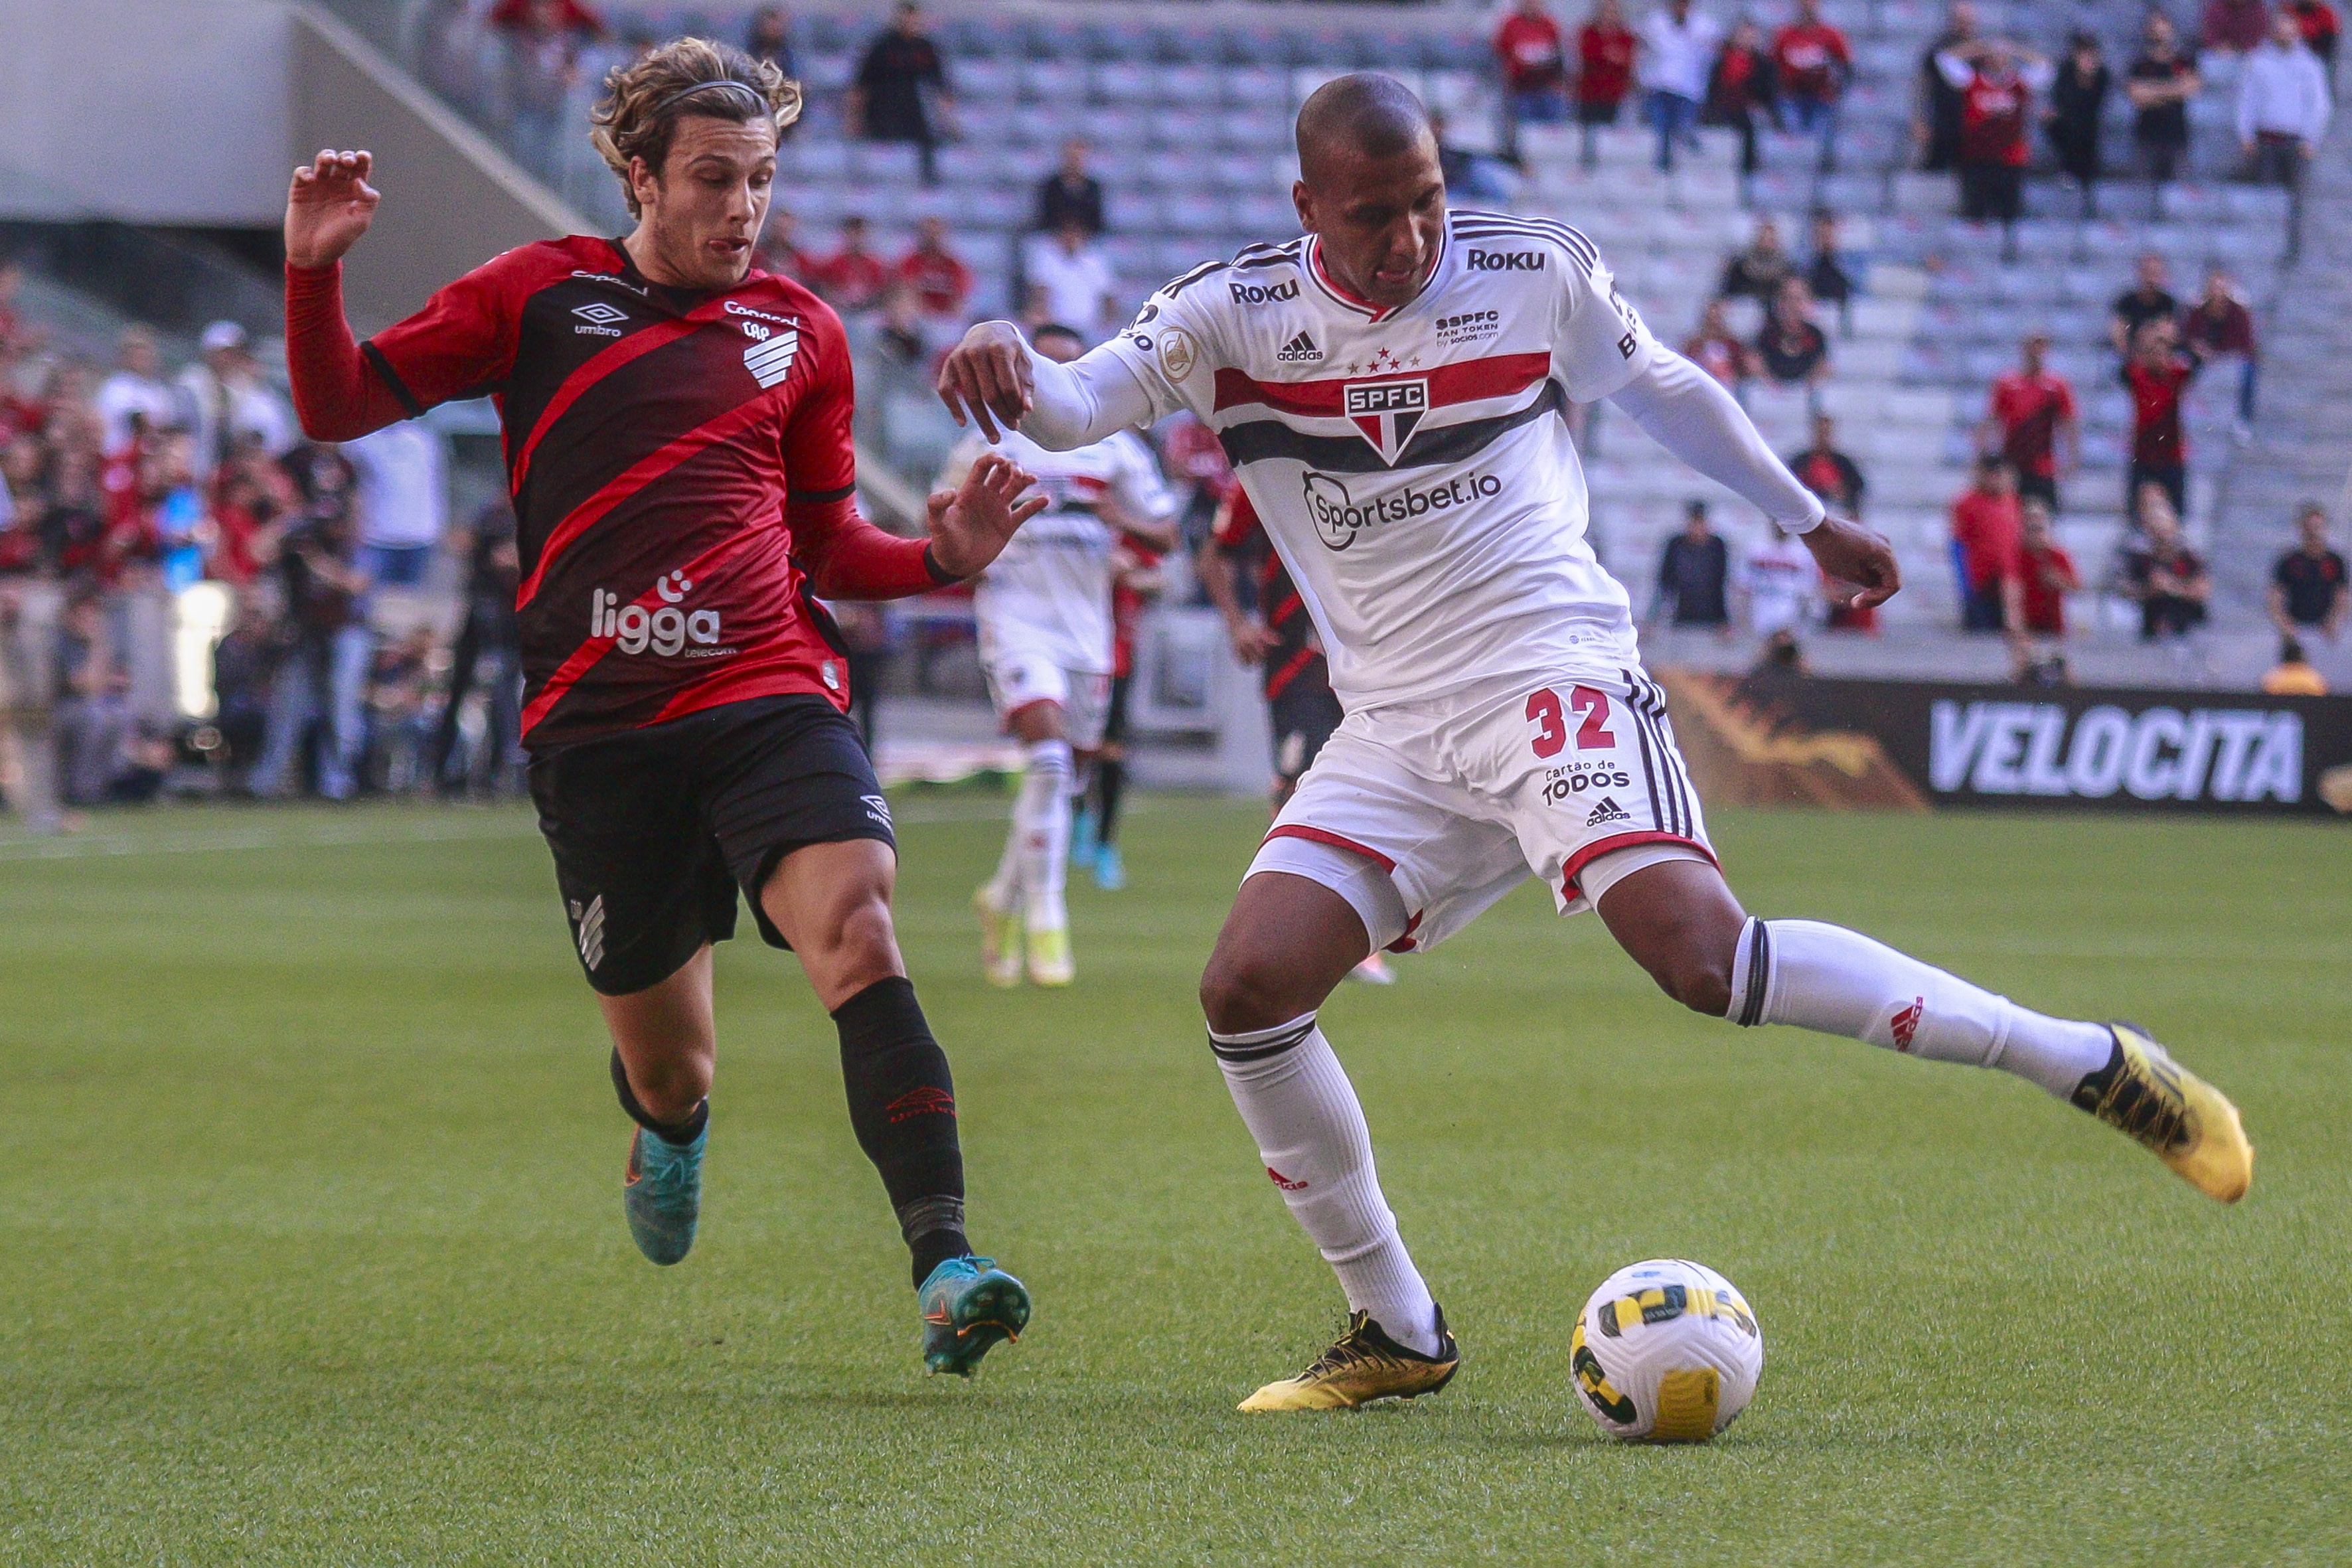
(1679, 922)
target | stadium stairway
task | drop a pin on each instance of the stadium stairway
(2301, 445)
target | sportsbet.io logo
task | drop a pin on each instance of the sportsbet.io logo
(1338, 517)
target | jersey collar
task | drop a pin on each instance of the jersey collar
(1348, 300)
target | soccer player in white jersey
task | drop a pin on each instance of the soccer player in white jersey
(1391, 389)
(1045, 614)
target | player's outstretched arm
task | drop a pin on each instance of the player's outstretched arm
(970, 527)
(336, 395)
(992, 379)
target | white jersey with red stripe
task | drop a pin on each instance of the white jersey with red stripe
(1413, 466)
(1048, 595)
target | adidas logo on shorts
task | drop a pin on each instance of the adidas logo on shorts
(1607, 810)
(1300, 350)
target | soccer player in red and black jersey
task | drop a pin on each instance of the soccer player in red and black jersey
(677, 437)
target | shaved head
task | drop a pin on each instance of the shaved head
(1367, 116)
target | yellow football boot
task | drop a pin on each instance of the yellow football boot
(1364, 1366)
(1000, 939)
(2185, 1121)
(1049, 956)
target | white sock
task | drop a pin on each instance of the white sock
(1005, 888)
(1839, 982)
(1041, 832)
(1299, 1104)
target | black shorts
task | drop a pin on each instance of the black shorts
(1115, 721)
(2041, 487)
(1303, 718)
(654, 831)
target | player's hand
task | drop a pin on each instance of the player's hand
(985, 379)
(970, 527)
(1849, 552)
(328, 206)
(1252, 641)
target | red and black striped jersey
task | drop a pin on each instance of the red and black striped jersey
(1296, 661)
(669, 454)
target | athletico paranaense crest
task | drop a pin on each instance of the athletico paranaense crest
(1388, 412)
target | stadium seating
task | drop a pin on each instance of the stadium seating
(1190, 122)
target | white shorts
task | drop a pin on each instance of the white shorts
(1018, 679)
(1460, 800)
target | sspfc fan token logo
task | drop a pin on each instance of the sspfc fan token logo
(1388, 412)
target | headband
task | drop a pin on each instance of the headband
(757, 100)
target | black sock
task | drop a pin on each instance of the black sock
(678, 1132)
(1110, 782)
(902, 1107)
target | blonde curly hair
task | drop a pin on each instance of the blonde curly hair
(645, 99)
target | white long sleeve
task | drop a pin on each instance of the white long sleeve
(1085, 401)
(1688, 413)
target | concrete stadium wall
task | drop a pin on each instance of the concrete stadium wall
(159, 112)
(195, 112)
(451, 200)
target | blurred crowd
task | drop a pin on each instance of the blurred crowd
(192, 597)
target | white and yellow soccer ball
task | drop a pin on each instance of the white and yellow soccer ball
(1666, 1352)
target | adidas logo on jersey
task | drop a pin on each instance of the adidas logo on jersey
(1607, 810)
(1300, 350)
(770, 362)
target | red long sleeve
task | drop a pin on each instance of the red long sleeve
(846, 557)
(337, 396)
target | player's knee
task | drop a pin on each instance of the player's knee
(864, 937)
(1698, 979)
(1240, 991)
(671, 1086)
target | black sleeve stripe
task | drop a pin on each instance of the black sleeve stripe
(1177, 286)
(819, 498)
(400, 393)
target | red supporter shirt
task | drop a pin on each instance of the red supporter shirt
(2318, 21)
(680, 463)
(2155, 393)
(1993, 117)
(2029, 409)
(2048, 575)
(941, 282)
(1296, 661)
(1813, 59)
(1607, 54)
(1533, 53)
(1991, 534)
(852, 280)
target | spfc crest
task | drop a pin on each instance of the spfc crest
(1388, 412)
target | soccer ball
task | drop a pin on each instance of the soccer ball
(1666, 1352)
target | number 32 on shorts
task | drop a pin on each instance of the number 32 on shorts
(1549, 715)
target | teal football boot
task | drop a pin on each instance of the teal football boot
(970, 1305)
(663, 1194)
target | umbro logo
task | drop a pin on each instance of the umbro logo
(1607, 810)
(924, 1101)
(770, 362)
(599, 313)
(877, 811)
(590, 924)
(1300, 350)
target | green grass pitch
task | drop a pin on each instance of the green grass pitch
(311, 1250)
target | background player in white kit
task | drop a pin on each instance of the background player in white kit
(1392, 391)
(1044, 615)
